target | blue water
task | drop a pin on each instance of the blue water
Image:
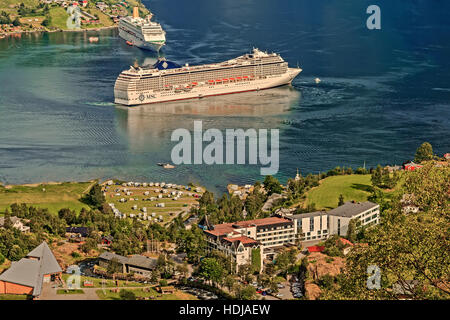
(383, 92)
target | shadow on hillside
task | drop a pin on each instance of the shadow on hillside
(362, 187)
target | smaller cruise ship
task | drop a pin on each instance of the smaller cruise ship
(142, 33)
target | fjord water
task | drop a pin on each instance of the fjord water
(383, 92)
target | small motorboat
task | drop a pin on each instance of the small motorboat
(166, 165)
(93, 39)
(129, 43)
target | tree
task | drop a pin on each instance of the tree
(256, 260)
(2, 259)
(377, 177)
(341, 200)
(424, 152)
(245, 292)
(155, 275)
(96, 197)
(88, 245)
(229, 282)
(351, 231)
(183, 269)
(211, 270)
(16, 22)
(47, 21)
(272, 185)
(244, 270)
(68, 215)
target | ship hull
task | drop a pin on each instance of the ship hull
(148, 97)
(139, 42)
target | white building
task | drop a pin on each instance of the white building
(239, 239)
(16, 223)
(312, 225)
(320, 225)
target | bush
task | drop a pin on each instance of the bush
(2, 259)
(75, 254)
(127, 295)
(163, 282)
(326, 281)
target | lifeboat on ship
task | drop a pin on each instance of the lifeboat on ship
(129, 43)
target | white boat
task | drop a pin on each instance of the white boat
(168, 81)
(142, 33)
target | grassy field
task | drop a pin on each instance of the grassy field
(14, 297)
(104, 19)
(172, 207)
(59, 17)
(352, 187)
(51, 196)
(109, 283)
(150, 292)
(64, 291)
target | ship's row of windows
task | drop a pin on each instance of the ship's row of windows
(153, 83)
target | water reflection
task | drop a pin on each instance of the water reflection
(268, 102)
(148, 127)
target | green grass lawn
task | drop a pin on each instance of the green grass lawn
(59, 18)
(27, 3)
(51, 196)
(109, 295)
(64, 291)
(14, 297)
(352, 187)
(109, 283)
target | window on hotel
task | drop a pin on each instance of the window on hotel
(311, 224)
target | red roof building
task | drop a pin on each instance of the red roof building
(412, 166)
(315, 249)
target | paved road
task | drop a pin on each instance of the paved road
(286, 291)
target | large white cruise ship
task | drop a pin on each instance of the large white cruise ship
(167, 81)
(142, 33)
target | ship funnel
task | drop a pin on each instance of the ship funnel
(135, 12)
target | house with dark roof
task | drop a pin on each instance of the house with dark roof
(136, 264)
(80, 231)
(28, 275)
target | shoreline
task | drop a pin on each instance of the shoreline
(12, 34)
